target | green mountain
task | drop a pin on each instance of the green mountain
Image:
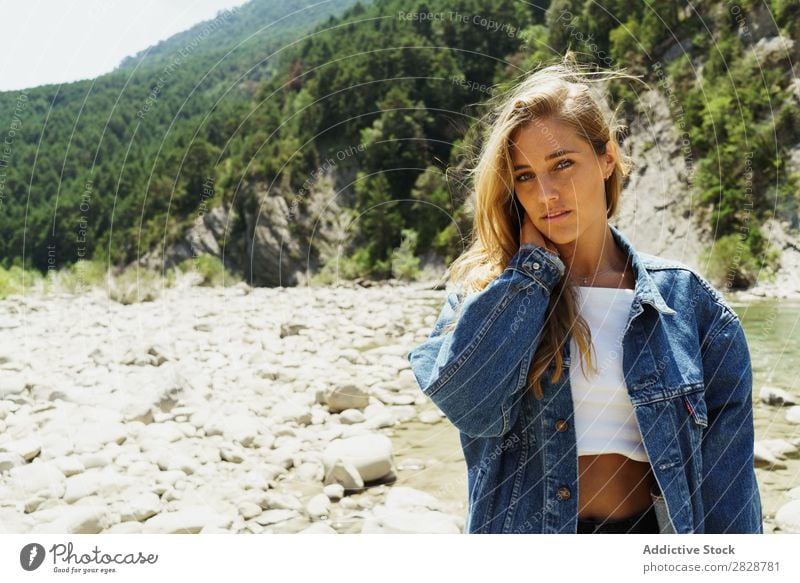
(318, 142)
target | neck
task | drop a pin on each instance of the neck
(596, 253)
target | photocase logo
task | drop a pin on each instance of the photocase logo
(31, 556)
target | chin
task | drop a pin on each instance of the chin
(559, 236)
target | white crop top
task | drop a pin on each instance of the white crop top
(604, 418)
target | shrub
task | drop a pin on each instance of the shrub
(210, 268)
(404, 264)
(11, 280)
(134, 285)
(733, 265)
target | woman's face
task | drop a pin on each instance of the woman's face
(556, 170)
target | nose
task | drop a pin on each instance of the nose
(548, 189)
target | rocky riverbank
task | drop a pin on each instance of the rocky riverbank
(227, 409)
(251, 410)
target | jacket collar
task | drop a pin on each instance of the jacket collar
(646, 289)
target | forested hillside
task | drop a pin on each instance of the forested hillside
(122, 159)
(369, 118)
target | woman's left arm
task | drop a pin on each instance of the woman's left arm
(731, 499)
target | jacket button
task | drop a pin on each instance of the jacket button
(536, 265)
(561, 425)
(563, 493)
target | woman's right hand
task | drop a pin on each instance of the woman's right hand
(530, 234)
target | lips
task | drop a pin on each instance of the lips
(556, 214)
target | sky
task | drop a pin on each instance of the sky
(58, 41)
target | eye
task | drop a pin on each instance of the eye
(560, 165)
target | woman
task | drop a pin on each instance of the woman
(659, 437)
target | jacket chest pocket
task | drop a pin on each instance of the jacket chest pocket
(695, 405)
(675, 420)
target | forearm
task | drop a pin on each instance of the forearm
(473, 371)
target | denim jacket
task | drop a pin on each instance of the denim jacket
(687, 372)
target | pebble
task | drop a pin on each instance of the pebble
(793, 414)
(347, 397)
(430, 417)
(370, 454)
(788, 517)
(319, 506)
(188, 520)
(351, 416)
(334, 491)
(776, 397)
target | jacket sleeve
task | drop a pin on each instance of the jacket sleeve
(473, 371)
(731, 500)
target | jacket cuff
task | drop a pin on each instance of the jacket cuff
(538, 263)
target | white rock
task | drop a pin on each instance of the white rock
(318, 528)
(231, 453)
(241, 428)
(291, 411)
(380, 420)
(214, 529)
(318, 506)
(403, 497)
(430, 417)
(274, 516)
(403, 413)
(93, 482)
(349, 504)
(88, 519)
(788, 517)
(32, 504)
(27, 448)
(141, 507)
(793, 414)
(170, 477)
(280, 501)
(70, 465)
(334, 491)
(168, 460)
(35, 477)
(418, 522)
(189, 520)
(763, 456)
(780, 447)
(272, 471)
(370, 454)
(10, 460)
(98, 459)
(161, 433)
(14, 522)
(129, 527)
(93, 436)
(412, 464)
(345, 474)
(310, 471)
(249, 510)
(11, 384)
(284, 453)
(351, 416)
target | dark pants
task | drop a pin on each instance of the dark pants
(644, 522)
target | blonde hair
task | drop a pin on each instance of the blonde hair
(562, 92)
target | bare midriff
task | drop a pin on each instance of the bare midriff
(612, 486)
